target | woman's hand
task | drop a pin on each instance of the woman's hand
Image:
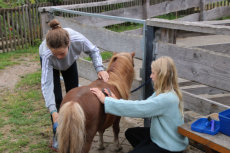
(103, 75)
(55, 116)
(99, 94)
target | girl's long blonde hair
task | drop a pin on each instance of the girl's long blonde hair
(167, 78)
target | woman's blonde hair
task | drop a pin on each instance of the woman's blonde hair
(57, 37)
(167, 78)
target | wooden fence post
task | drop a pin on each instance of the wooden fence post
(12, 29)
(168, 35)
(30, 24)
(46, 17)
(20, 27)
(25, 41)
(202, 9)
(1, 35)
(146, 4)
(5, 33)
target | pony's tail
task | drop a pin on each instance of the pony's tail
(71, 128)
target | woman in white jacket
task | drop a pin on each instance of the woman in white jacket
(58, 53)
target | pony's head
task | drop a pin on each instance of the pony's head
(121, 72)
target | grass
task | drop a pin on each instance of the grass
(15, 3)
(124, 27)
(12, 58)
(106, 55)
(25, 117)
(170, 16)
(224, 18)
(25, 124)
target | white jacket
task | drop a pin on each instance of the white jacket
(78, 43)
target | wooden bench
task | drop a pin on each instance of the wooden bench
(218, 142)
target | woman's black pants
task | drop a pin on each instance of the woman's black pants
(139, 138)
(70, 77)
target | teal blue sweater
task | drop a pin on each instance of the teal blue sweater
(164, 113)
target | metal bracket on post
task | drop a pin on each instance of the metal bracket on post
(146, 66)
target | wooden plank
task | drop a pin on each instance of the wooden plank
(9, 30)
(84, 5)
(217, 96)
(172, 6)
(13, 29)
(146, 5)
(189, 26)
(196, 86)
(30, 25)
(106, 39)
(24, 26)
(131, 12)
(217, 22)
(27, 24)
(223, 100)
(199, 65)
(218, 142)
(202, 89)
(202, 105)
(40, 25)
(191, 18)
(20, 28)
(2, 46)
(221, 48)
(202, 9)
(212, 1)
(17, 33)
(182, 80)
(37, 23)
(188, 83)
(216, 13)
(168, 35)
(33, 22)
(5, 33)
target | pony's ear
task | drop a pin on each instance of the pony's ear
(133, 54)
(114, 53)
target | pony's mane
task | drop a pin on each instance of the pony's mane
(121, 73)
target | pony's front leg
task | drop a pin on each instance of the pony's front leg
(101, 140)
(116, 130)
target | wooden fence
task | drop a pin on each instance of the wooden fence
(205, 69)
(20, 27)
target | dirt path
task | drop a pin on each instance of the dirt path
(12, 74)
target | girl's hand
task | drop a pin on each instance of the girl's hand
(99, 94)
(103, 75)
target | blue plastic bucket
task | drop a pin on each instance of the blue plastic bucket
(225, 122)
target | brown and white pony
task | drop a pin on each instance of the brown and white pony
(82, 115)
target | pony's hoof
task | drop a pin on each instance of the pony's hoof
(101, 148)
